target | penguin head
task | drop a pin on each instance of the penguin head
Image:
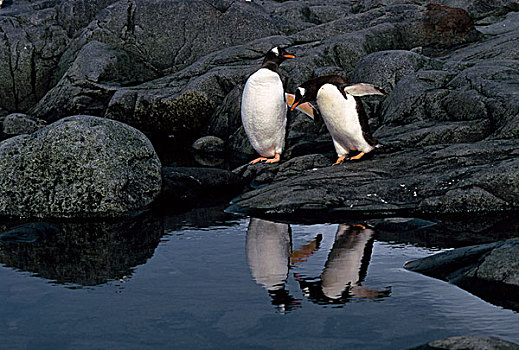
(304, 93)
(277, 55)
(307, 91)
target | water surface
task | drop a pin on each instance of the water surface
(207, 280)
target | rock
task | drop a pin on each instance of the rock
(209, 151)
(429, 180)
(185, 187)
(490, 271)
(19, 123)
(208, 144)
(91, 80)
(474, 342)
(78, 167)
(226, 119)
(386, 68)
(31, 43)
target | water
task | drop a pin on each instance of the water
(206, 280)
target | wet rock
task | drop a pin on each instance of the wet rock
(187, 187)
(414, 181)
(19, 123)
(475, 342)
(489, 270)
(209, 151)
(81, 166)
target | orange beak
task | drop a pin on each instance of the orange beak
(294, 106)
(289, 56)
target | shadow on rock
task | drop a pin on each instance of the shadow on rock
(81, 254)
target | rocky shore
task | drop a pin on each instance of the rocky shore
(109, 107)
(451, 116)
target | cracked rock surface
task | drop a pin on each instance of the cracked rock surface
(175, 71)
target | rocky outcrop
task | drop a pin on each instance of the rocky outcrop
(80, 166)
(489, 270)
(175, 70)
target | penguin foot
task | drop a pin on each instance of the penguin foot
(276, 159)
(257, 160)
(357, 157)
(265, 160)
(340, 160)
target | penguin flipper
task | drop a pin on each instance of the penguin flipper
(363, 89)
(306, 107)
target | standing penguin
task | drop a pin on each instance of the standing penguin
(263, 108)
(342, 112)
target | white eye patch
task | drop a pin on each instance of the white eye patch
(302, 91)
(276, 51)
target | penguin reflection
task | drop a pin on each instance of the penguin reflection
(269, 247)
(269, 255)
(345, 269)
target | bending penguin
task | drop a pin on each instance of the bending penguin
(342, 113)
(264, 109)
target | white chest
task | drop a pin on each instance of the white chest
(341, 118)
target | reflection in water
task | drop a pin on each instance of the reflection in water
(268, 247)
(82, 254)
(269, 255)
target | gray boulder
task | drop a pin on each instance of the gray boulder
(19, 123)
(80, 166)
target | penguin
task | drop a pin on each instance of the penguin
(342, 112)
(264, 108)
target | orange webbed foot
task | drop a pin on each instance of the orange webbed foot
(276, 159)
(257, 160)
(357, 157)
(340, 160)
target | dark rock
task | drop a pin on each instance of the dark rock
(81, 166)
(480, 177)
(226, 118)
(209, 151)
(386, 68)
(31, 43)
(91, 80)
(474, 342)
(208, 144)
(185, 188)
(490, 270)
(19, 123)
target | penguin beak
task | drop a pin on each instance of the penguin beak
(287, 55)
(294, 105)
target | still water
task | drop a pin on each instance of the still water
(209, 280)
